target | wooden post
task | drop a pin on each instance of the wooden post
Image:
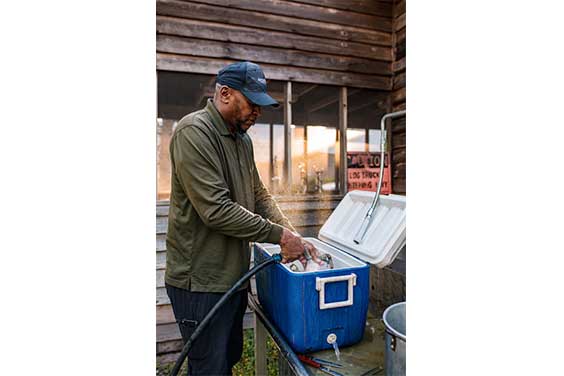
(271, 158)
(288, 135)
(389, 145)
(158, 135)
(337, 160)
(306, 162)
(260, 348)
(343, 141)
(159, 124)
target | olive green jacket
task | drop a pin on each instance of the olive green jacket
(218, 205)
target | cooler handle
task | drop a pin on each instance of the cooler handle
(320, 286)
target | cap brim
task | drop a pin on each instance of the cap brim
(260, 99)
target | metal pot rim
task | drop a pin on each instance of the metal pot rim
(389, 328)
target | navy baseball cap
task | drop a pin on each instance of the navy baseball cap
(249, 79)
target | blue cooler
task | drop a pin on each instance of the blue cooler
(315, 309)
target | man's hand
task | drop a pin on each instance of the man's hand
(313, 252)
(292, 247)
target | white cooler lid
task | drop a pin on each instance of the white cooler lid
(385, 236)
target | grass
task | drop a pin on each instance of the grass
(246, 366)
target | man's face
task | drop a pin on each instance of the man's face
(245, 113)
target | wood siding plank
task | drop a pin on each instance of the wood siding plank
(307, 11)
(171, 346)
(225, 50)
(399, 186)
(167, 358)
(269, 38)
(160, 278)
(400, 50)
(273, 22)
(399, 154)
(161, 296)
(398, 65)
(399, 170)
(399, 139)
(399, 107)
(399, 124)
(399, 22)
(161, 258)
(399, 8)
(162, 223)
(161, 242)
(378, 8)
(192, 64)
(398, 96)
(400, 36)
(162, 211)
(165, 315)
(168, 332)
(399, 80)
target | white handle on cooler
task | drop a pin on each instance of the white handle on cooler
(320, 286)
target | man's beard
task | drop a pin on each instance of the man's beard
(239, 128)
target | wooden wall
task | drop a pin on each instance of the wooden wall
(398, 96)
(346, 43)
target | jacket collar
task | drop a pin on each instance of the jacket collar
(217, 119)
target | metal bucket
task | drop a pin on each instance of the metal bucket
(394, 320)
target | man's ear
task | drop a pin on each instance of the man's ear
(225, 94)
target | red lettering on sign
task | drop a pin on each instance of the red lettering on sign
(364, 172)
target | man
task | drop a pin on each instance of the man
(218, 205)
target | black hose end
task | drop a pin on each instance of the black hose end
(277, 257)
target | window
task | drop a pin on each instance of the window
(374, 137)
(164, 133)
(356, 139)
(315, 119)
(365, 110)
(178, 95)
(269, 159)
